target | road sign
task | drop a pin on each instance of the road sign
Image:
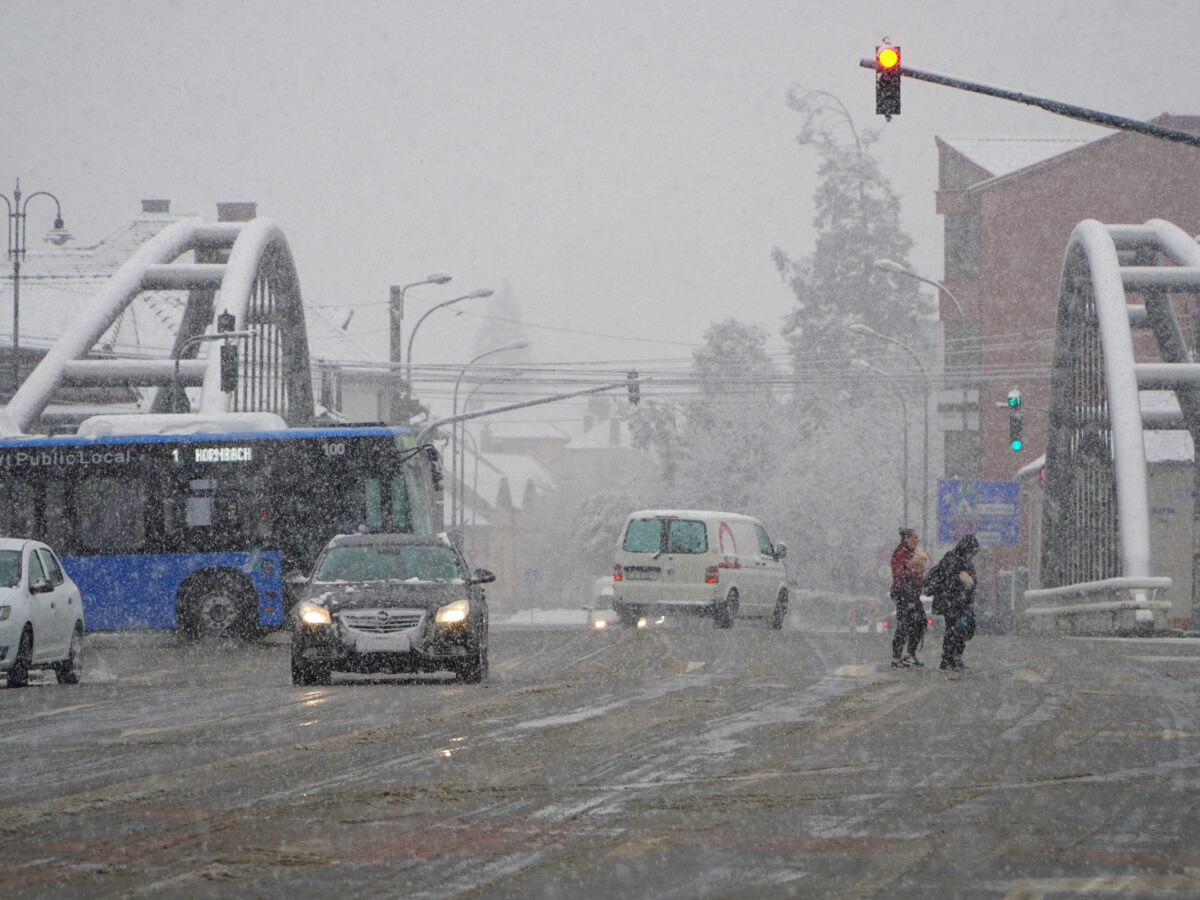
(989, 509)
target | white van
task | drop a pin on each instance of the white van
(716, 564)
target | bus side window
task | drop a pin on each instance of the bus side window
(6, 501)
(401, 515)
(24, 510)
(112, 514)
(373, 504)
(420, 519)
(57, 513)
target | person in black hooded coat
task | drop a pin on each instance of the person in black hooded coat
(955, 574)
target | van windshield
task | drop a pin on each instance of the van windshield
(681, 536)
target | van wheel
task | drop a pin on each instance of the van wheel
(727, 611)
(781, 608)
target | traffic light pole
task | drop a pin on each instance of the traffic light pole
(1081, 113)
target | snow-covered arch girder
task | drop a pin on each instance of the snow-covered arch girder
(247, 270)
(1096, 519)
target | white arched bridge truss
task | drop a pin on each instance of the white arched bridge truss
(243, 269)
(1096, 517)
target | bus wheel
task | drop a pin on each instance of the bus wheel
(219, 607)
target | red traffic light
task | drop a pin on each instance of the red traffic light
(887, 57)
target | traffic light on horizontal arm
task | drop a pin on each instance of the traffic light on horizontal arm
(887, 80)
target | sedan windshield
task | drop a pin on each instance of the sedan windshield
(10, 568)
(385, 563)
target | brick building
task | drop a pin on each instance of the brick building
(1009, 207)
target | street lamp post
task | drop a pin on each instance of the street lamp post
(871, 332)
(457, 457)
(480, 292)
(895, 268)
(17, 225)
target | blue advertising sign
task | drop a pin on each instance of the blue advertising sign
(989, 509)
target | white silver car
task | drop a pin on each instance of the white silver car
(41, 614)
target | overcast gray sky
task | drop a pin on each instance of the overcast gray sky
(624, 169)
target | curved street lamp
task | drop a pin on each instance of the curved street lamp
(871, 332)
(458, 459)
(17, 225)
(479, 292)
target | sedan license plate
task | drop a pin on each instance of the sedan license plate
(382, 643)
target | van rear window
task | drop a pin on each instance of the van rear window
(681, 536)
(643, 536)
(686, 536)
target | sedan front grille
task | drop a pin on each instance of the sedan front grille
(383, 622)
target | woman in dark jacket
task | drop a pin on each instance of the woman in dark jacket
(956, 572)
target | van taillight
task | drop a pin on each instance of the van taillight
(710, 575)
(616, 571)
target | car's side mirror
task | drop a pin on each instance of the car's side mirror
(295, 578)
(483, 576)
(780, 551)
(41, 586)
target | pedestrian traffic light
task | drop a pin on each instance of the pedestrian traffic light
(635, 388)
(887, 80)
(229, 367)
(1015, 440)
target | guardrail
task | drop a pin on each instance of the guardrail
(1108, 606)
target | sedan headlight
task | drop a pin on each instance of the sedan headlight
(311, 614)
(5, 611)
(452, 613)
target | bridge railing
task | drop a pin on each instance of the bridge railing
(1112, 605)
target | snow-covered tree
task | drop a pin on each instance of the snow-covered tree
(857, 219)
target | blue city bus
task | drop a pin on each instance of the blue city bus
(203, 532)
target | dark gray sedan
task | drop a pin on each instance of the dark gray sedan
(391, 603)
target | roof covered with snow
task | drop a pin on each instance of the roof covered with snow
(1003, 155)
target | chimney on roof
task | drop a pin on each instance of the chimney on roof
(156, 206)
(236, 212)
